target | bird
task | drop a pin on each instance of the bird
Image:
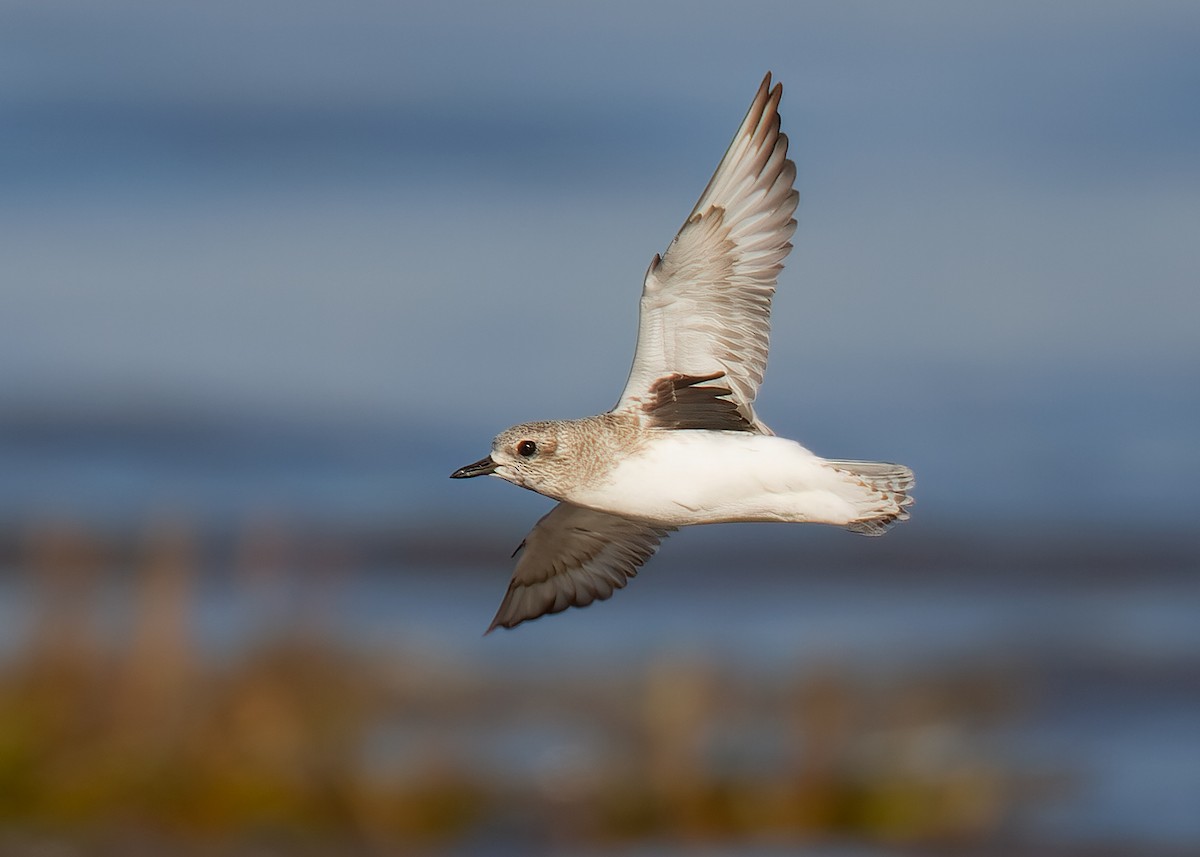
(684, 446)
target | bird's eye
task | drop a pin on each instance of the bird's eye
(526, 448)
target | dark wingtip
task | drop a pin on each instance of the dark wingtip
(496, 623)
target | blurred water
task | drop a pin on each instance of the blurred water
(1107, 672)
(1110, 454)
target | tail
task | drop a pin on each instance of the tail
(886, 500)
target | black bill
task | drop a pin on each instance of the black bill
(482, 467)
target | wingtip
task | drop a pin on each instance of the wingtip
(766, 86)
(496, 623)
(505, 618)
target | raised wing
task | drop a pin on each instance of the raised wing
(572, 557)
(706, 303)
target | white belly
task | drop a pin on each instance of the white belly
(698, 477)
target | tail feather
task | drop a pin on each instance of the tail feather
(887, 499)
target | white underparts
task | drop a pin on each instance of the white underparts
(682, 478)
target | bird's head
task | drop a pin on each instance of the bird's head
(532, 455)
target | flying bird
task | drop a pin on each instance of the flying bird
(684, 446)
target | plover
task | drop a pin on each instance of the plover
(684, 446)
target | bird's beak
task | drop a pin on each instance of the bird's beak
(482, 467)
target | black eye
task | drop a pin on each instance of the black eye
(526, 448)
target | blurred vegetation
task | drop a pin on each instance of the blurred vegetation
(301, 734)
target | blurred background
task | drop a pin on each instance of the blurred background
(272, 271)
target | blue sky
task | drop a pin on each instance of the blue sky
(441, 216)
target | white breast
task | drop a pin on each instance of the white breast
(701, 477)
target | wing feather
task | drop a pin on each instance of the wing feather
(572, 557)
(706, 302)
